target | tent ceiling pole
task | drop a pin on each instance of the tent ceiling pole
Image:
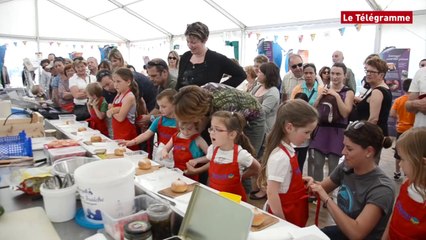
(88, 20)
(226, 14)
(33, 38)
(36, 22)
(378, 34)
(138, 16)
(5, 1)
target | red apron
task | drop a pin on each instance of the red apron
(408, 218)
(125, 129)
(69, 107)
(182, 153)
(95, 122)
(226, 177)
(295, 202)
(165, 132)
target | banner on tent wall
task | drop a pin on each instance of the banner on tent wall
(272, 50)
(2, 53)
(304, 54)
(398, 61)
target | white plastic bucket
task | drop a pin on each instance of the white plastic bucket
(106, 185)
(60, 204)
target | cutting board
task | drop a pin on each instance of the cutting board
(30, 223)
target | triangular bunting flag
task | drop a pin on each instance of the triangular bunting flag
(358, 26)
(25, 43)
(301, 38)
(286, 38)
(313, 35)
(342, 31)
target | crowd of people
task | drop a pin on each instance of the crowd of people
(252, 131)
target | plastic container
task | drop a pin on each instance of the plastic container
(16, 146)
(135, 156)
(54, 154)
(60, 204)
(67, 119)
(115, 226)
(106, 186)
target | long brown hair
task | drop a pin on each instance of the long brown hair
(297, 112)
(127, 75)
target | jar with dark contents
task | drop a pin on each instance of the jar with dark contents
(137, 230)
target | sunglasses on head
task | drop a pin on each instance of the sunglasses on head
(297, 65)
(172, 58)
(355, 125)
(155, 63)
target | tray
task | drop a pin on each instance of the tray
(269, 221)
(169, 193)
(142, 172)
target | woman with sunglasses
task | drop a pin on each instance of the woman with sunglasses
(173, 62)
(201, 65)
(324, 74)
(366, 195)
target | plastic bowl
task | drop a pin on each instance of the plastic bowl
(70, 164)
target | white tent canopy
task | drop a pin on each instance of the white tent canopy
(152, 27)
(139, 20)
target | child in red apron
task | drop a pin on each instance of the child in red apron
(230, 156)
(280, 174)
(123, 109)
(187, 144)
(164, 125)
(408, 219)
(97, 107)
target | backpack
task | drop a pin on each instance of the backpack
(328, 109)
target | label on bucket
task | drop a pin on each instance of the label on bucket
(90, 199)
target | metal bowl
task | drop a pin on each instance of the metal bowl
(68, 165)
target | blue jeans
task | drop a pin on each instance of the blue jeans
(334, 233)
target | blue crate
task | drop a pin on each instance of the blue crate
(16, 146)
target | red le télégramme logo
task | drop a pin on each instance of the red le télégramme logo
(376, 17)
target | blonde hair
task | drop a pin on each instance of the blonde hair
(297, 112)
(94, 89)
(411, 147)
(235, 121)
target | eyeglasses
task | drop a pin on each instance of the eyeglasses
(297, 65)
(214, 130)
(327, 72)
(355, 125)
(370, 72)
(172, 58)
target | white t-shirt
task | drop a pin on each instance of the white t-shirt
(418, 85)
(278, 168)
(245, 159)
(414, 194)
(75, 80)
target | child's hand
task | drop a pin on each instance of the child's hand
(192, 163)
(122, 143)
(110, 106)
(164, 154)
(190, 170)
(110, 112)
(95, 102)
